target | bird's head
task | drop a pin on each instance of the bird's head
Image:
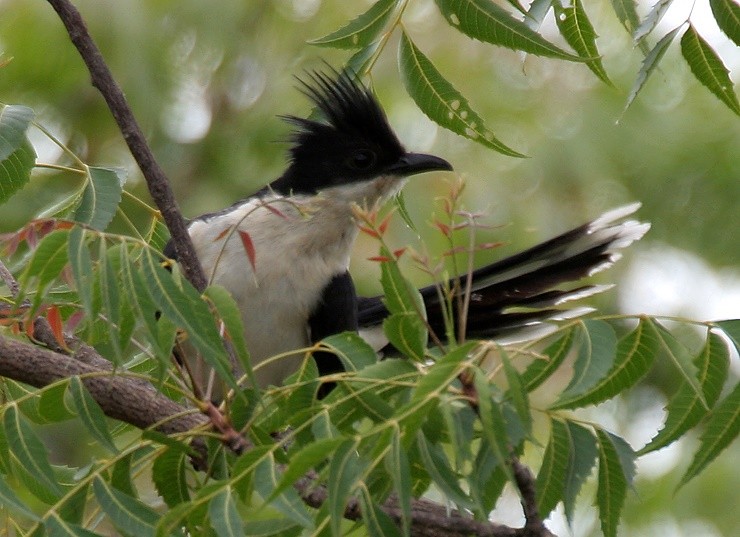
(351, 145)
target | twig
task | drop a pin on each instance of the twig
(159, 186)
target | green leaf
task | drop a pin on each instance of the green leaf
(685, 409)
(101, 197)
(90, 414)
(224, 516)
(680, 358)
(287, 502)
(581, 461)
(516, 393)
(47, 263)
(352, 350)
(436, 464)
(731, 328)
(616, 471)
(442, 373)
(57, 527)
(271, 526)
(542, 368)
(722, 428)
(184, 306)
(400, 296)
(578, 31)
(120, 476)
(127, 514)
(490, 23)
(407, 333)
(440, 101)
(361, 31)
(551, 477)
(345, 469)
(635, 354)
(708, 68)
(307, 458)
(727, 15)
(400, 204)
(492, 421)
(649, 64)
(168, 474)
(377, 523)
(597, 347)
(9, 500)
(626, 12)
(229, 313)
(397, 465)
(112, 302)
(17, 156)
(72, 509)
(29, 451)
(652, 19)
(52, 406)
(80, 262)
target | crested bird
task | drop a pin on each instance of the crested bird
(283, 252)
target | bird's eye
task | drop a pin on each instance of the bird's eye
(362, 159)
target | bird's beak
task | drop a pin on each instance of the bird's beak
(413, 163)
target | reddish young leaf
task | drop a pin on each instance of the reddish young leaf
(371, 232)
(275, 211)
(248, 248)
(398, 253)
(380, 258)
(55, 321)
(444, 228)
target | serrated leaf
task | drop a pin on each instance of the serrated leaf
(400, 296)
(377, 523)
(100, 198)
(626, 12)
(516, 392)
(550, 484)
(120, 476)
(578, 31)
(17, 156)
(727, 15)
(9, 500)
(224, 516)
(127, 514)
(112, 300)
(407, 333)
(90, 414)
(652, 19)
(616, 471)
(685, 409)
(397, 465)
(635, 354)
(597, 347)
(345, 470)
(492, 421)
(680, 358)
(542, 368)
(288, 503)
(440, 101)
(490, 23)
(52, 407)
(722, 428)
(708, 68)
(168, 474)
(352, 350)
(436, 464)
(57, 527)
(30, 452)
(80, 261)
(229, 313)
(304, 460)
(362, 30)
(442, 373)
(47, 262)
(185, 307)
(649, 64)
(581, 461)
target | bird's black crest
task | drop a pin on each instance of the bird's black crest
(351, 126)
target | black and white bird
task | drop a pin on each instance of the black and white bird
(291, 279)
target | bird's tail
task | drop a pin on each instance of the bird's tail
(512, 299)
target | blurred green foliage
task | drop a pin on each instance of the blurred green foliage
(207, 79)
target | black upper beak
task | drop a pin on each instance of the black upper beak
(413, 163)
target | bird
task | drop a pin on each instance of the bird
(283, 252)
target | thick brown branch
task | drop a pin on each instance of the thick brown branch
(156, 181)
(130, 400)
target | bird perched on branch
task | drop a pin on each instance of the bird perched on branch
(283, 252)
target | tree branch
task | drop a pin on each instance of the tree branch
(159, 186)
